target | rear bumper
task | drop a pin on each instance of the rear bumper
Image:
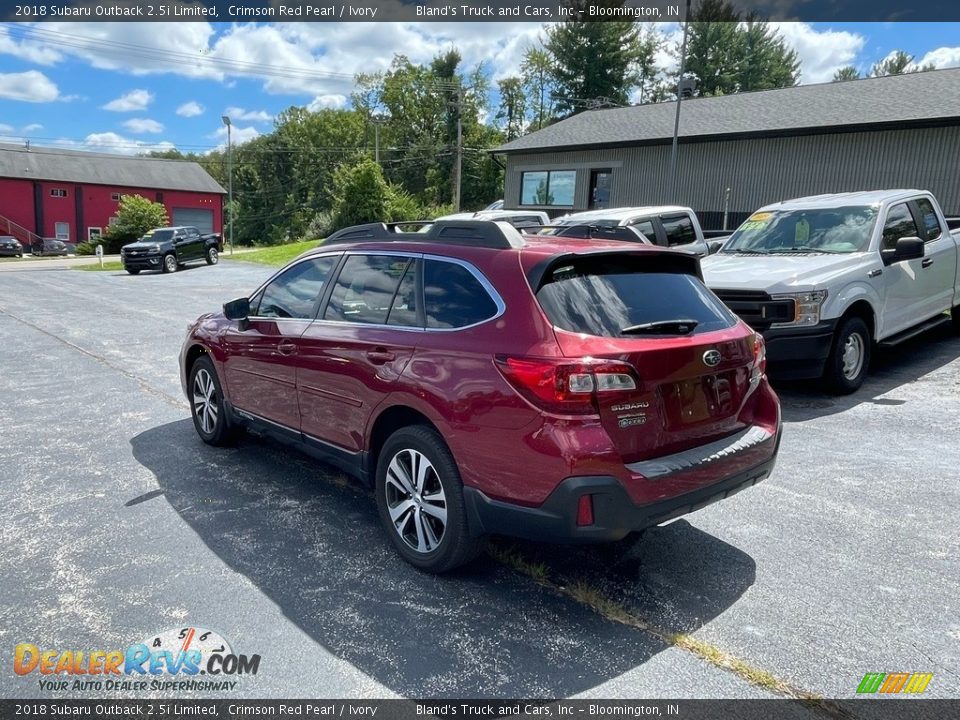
(798, 353)
(614, 512)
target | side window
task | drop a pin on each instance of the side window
(928, 219)
(679, 229)
(899, 224)
(403, 311)
(366, 288)
(646, 227)
(295, 292)
(453, 297)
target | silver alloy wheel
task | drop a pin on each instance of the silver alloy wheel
(853, 350)
(212, 256)
(171, 262)
(205, 402)
(416, 501)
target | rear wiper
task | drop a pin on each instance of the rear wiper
(679, 327)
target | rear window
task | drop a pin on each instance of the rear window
(603, 297)
(679, 229)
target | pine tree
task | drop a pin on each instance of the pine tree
(898, 63)
(846, 73)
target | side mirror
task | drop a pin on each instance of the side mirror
(238, 309)
(908, 248)
(713, 246)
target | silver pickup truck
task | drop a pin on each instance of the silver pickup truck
(827, 278)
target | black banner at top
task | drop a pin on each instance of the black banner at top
(465, 10)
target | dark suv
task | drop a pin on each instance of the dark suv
(489, 382)
(170, 248)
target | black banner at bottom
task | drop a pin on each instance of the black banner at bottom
(160, 709)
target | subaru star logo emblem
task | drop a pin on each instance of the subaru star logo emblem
(711, 358)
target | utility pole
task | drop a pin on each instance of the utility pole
(226, 121)
(376, 142)
(676, 120)
(458, 164)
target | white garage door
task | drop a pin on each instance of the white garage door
(200, 219)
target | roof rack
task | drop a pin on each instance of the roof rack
(471, 233)
(625, 233)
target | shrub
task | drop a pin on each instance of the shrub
(360, 194)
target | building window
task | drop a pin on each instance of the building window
(94, 234)
(600, 189)
(113, 220)
(115, 197)
(543, 187)
(58, 192)
(62, 231)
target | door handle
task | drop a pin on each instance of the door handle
(286, 348)
(927, 263)
(380, 356)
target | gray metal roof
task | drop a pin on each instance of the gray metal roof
(914, 97)
(73, 166)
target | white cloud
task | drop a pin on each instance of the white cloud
(111, 142)
(327, 101)
(6, 129)
(30, 51)
(238, 135)
(821, 53)
(942, 57)
(143, 125)
(237, 113)
(32, 127)
(190, 109)
(30, 86)
(131, 101)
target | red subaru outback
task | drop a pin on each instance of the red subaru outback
(485, 382)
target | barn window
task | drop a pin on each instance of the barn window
(115, 197)
(58, 192)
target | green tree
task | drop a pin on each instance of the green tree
(649, 43)
(593, 63)
(898, 63)
(135, 216)
(848, 72)
(512, 112)
(360, 194)
(766, 62)
(537, 73)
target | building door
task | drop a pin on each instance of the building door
(202, 220)
(600, 189)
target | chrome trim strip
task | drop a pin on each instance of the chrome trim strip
(660, 468)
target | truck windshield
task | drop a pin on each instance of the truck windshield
(817, 230)
(160, 236)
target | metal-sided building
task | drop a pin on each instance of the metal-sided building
(73, 196)
(871, 134)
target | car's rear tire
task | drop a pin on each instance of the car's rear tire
(849, 359)
(206, 404)
(170, 263)
(955, 314)
(212, 257)
(133, 271)
(420, 501)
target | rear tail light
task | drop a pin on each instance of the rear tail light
(564, 386)
(759, 354)
(585, 510)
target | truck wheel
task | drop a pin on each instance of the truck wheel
(850, 358)
(133, 271)
(213, 257)
(170, 263)
(420, 501)
(955, 313)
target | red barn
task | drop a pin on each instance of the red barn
(73, 195)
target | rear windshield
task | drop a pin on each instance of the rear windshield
(609, 298)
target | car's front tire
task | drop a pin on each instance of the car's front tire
(955, 314)
(420, 501)
(849, 359)
(212, 257)
(133, 271)
(206, 404)
(170, 263)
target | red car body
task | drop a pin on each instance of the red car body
(688, 433)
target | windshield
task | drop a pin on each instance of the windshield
(828, 230)
(158, 236)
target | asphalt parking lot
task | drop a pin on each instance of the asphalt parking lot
(119, 524)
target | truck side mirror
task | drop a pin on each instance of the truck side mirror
(713, 246)
(908, 248)
(238, 309)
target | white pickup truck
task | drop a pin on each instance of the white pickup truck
(668, 225)
(826, 278)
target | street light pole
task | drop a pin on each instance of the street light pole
(676, 120)
(226, 121)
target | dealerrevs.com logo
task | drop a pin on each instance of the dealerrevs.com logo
(171, 660)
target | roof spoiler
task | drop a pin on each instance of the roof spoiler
(470, 233)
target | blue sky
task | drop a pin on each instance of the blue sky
(125, 87)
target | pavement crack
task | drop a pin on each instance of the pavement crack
(142, 382)
(589, 596)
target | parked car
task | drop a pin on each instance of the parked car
(167, 249)
(827, 278)
(520, 219)
(667, 225)
(49, 246)
(495, 205)
(486, 382)
(10, 246)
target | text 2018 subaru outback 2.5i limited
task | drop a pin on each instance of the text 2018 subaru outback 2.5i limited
(487, 382)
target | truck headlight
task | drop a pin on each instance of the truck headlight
(807, 306)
